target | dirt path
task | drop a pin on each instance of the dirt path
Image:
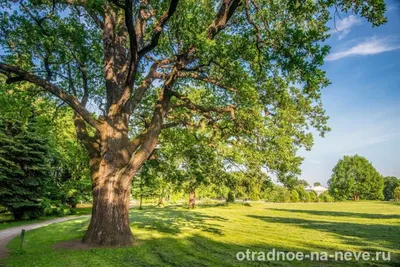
(8, 234)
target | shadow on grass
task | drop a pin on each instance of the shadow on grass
(196, 249)
(342, 214)
(174, 220)
(362, 235)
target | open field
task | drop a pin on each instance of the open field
(211, 236)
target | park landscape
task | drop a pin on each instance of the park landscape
(198, 133)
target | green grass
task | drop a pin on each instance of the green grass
(7, 221)
(211, 236)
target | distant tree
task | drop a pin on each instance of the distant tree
(69, 168)
(24, 170)
(278, 194)
(396, 194)
(230, 198)
(317, 184)
(313, 196)
(307, 197)
(355, 177)
(390, 183)
(294, 197)
(326, 197)
(304, 183)
(303, 194)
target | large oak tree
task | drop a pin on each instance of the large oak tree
(249, 69)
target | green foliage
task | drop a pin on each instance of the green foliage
(313, 196)
(24, 174)
(303, 195)
(230, 198)
(317, 184)
(396, 194)
(354, 177)
(66, 170)
(390, 183)
(271, 53)
(294, 196)
(303, 183)
(326, 197)
(307, 197)
(278, 194)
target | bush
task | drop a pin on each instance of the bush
(307, 197)
(231, 197)
(34, 213)
(325, 197)
(27, 212)
(313, 196)
(55, 208)
(62, 210)
(278, 194)
(302, 193)
(396, 194)
(294, 196)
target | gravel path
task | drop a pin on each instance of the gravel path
(8, 234)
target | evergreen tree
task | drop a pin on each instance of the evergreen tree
(24, 170)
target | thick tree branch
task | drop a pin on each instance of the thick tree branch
(142, 88)
(158, 29)
(225, 12)
(51, 88)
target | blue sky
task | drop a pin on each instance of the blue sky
(363, 101)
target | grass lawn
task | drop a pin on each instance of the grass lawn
(211, 236)
(7, 221)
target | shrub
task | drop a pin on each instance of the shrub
(278, 194)
(231, 197)
(396, 194)
(313, 196)
(307, 197)
(325, 197)
(294, 196)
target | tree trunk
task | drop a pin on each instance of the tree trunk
(109, 225)
(111, 189)
(141, 201)
(160, 201)
(192, 199)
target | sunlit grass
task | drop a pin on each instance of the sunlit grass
(211, 236)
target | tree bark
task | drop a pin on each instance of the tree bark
(192, 199)
(111, 188)
(109, 225)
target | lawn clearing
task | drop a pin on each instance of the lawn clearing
(211, 236)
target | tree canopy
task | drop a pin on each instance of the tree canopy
(390, 183)
(355, 177)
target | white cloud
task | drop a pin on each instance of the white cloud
(370, 46)
(343, 27)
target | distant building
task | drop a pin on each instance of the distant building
(317, 189)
